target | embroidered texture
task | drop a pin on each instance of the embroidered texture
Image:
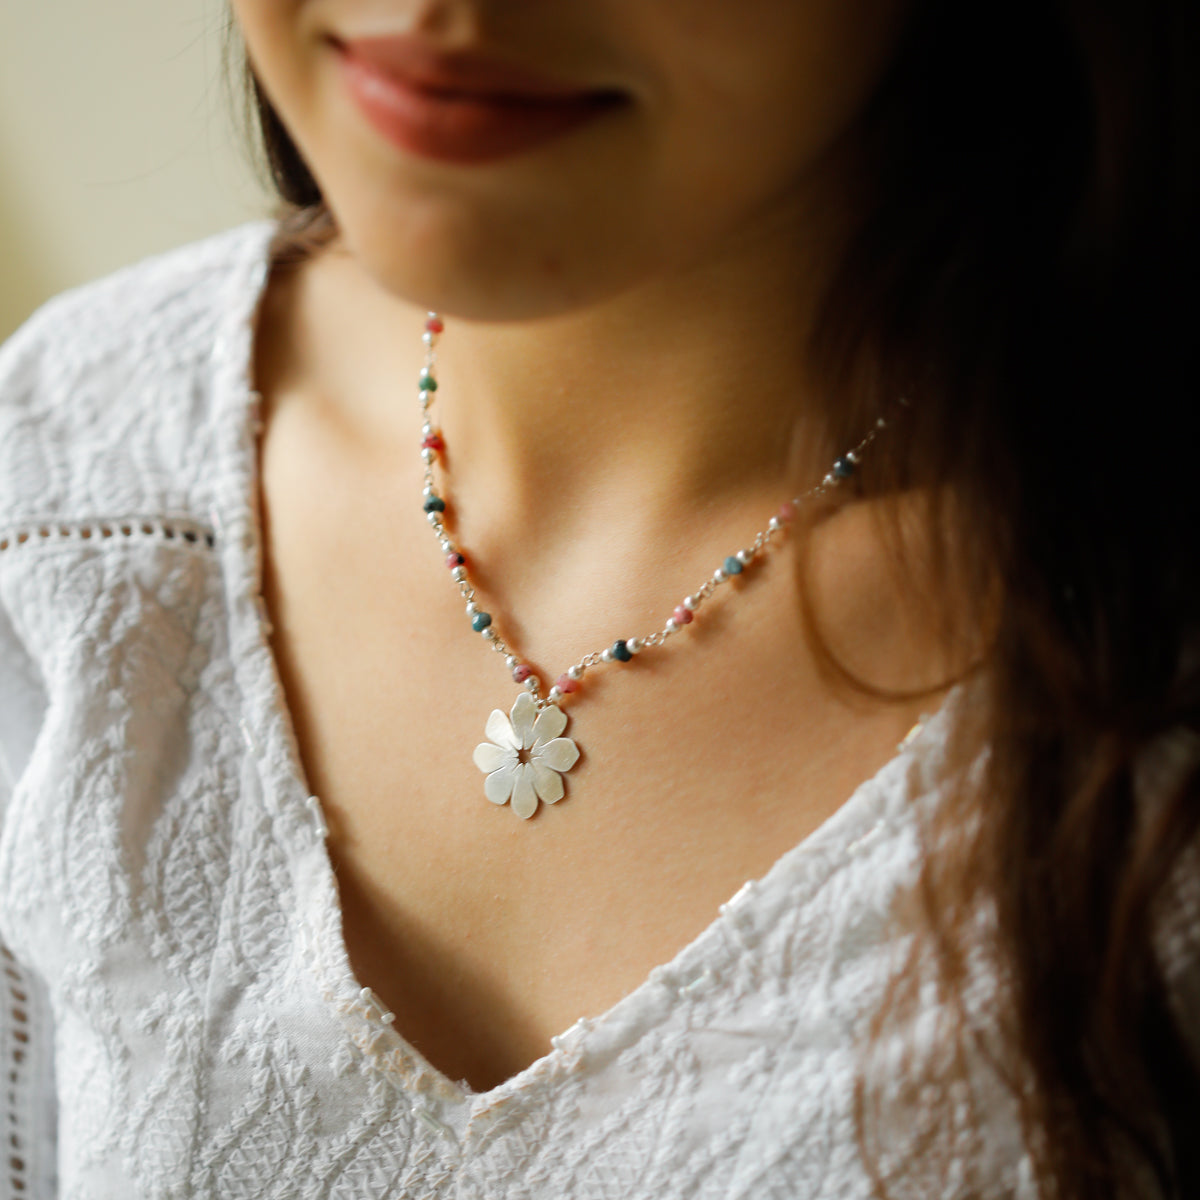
(164, 883)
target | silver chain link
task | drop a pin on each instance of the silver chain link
(693, 602)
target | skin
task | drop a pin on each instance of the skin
(623, 307)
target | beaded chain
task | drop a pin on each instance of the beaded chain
(624, 649)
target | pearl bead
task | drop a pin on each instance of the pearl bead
(532, 683)
(555, 693)
(575, 672)
(427, 455)
(427, 338)
(691, 603)
(472, 608)
(774, 525)
(459, 574)
(435, 519)
(634, 644)
(671, 625)
(745, 557)
(719, 576)
(511, 661)
(607, 654)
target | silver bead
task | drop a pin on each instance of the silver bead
(745, 557)
(719, 575)
(555, 693)
(574, 672)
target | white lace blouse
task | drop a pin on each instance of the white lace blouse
(179, 1016)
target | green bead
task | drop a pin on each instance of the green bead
(434, 504)
(480, 621)
(733, 565)
(427, 383)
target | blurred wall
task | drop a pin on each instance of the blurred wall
(118, 139)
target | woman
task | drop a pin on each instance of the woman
(731, 365)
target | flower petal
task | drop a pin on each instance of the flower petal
(490, 758)
(498, 786)
(549, 783)
(523, 712)
(500, 731)
(550, 723)
(560, 754)
(524, 797)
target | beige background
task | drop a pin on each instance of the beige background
(119, 137)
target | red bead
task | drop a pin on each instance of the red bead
(683, 616)
(434, 325)
(454, 560)
(521, 672)
(566, 684)
(787, 511)
(433, 442)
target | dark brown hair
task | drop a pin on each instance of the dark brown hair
(1024, 267)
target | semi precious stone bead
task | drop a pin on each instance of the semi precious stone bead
(732, 565)
(682, 615)
(787, 512)
(434, 503)
(620, 651)
(566, 684)
(433, 441)
(521, 672)
(454, 560)
(480, 621)
(843, 468)
(434, 324)
(426, 382)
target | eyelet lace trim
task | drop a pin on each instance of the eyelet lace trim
(20, 1031)
(170, 529)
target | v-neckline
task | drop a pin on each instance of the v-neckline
(446, 1105)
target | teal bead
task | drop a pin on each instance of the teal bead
(480, 621)
(434, 504)
(621, 652)
(427, 383)
(733, 565)
(843, 468)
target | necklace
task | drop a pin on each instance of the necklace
(526, 755)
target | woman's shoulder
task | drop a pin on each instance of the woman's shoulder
(108, 390)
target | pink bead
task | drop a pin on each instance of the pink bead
(683, 616)
(566, 684)
(434, 325)
(454, 560)
(787, 511)
(521, 672)
(433, 442)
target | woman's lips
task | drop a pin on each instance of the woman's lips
(460, 123)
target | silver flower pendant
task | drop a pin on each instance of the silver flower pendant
(526, 757)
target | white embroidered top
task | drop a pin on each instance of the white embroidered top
(180, 1018)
